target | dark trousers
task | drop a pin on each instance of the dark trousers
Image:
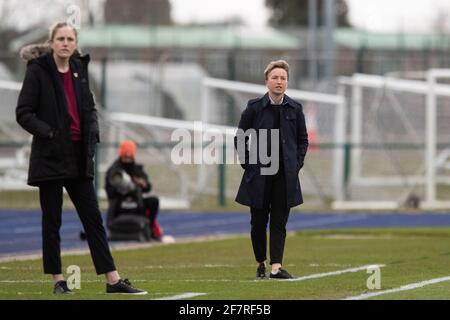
(82, 193)
(276, 208)
(151, 205)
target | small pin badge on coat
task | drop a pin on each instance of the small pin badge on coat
(75, 75)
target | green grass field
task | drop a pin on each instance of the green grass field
(224, 269)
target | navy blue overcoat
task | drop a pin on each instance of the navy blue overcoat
(294, 144)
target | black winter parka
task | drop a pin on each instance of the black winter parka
(42, 111)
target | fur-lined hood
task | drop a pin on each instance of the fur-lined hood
(34, 51)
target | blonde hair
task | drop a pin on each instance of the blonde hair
(54, 28)
(276, 64)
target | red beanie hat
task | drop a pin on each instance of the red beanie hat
(127, 149)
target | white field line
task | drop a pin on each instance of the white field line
(411, 286)
(182, 296)
(311, 276)
(335, 273)
(121, 247)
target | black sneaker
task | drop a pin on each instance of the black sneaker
(281, 274)
(125, 287)
(261, 271)
(61, 288)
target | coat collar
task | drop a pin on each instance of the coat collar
(287, 101)
(46, 60)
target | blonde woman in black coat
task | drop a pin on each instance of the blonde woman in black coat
(271, 195)
(56, 106)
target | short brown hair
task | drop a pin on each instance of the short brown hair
(54, 28)
(276, 64)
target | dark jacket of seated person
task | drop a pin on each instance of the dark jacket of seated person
(126, 180)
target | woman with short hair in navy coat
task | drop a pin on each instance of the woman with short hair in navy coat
(271, 188)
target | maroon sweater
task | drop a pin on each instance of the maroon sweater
(71, 99)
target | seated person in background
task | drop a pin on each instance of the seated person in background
(133, 182)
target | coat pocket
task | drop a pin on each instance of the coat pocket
(51, 148)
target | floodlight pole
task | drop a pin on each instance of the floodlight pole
(430, 154)
(312, 40)
(356, 129)
(340, 186)
(329, 15)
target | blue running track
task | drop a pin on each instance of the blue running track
(20, 231)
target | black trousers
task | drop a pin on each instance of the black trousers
(151, 205)
(82, 193)
(276, 208)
